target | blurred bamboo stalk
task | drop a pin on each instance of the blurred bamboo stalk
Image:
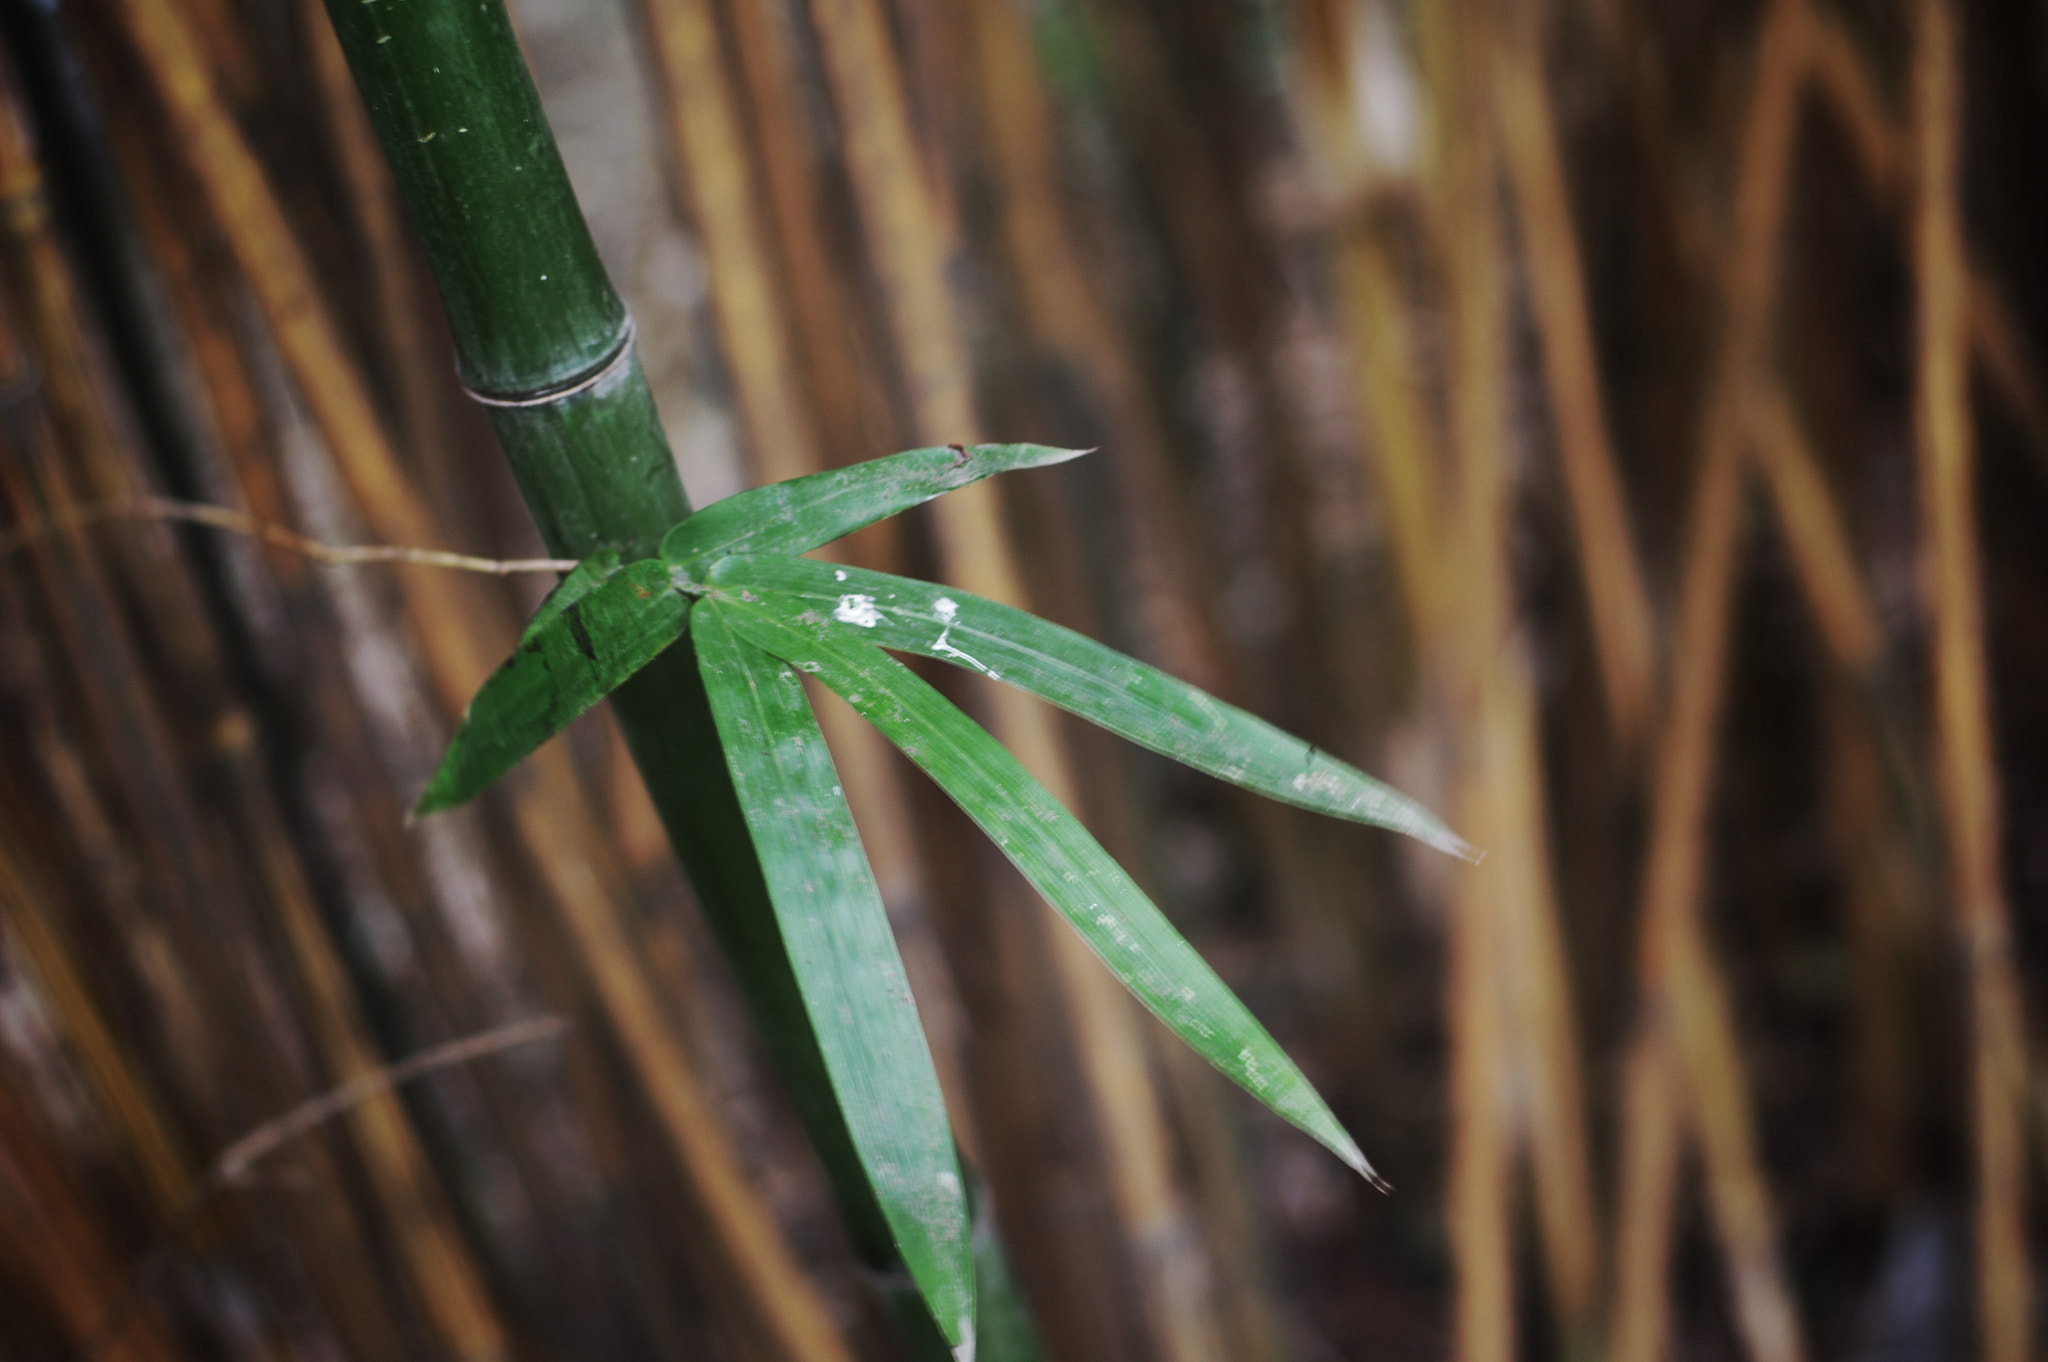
(1510, 992)
(78, 1270)
(715, 179)
(451, 631)
(1844, 78)
(1820, 545)
(1687, 1021)
(1070, 321)
(909, 240)
(1623, 629)
(1455, 41)
(1965, 766)
(95, 452)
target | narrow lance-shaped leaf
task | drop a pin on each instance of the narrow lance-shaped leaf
(586, 577)
(798, 515)
(1062, 861)
(1103, 686)
(562, 666)
(847, 968)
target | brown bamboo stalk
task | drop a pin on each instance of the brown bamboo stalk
(1623, 629)
(1844, 79)
(309, 660)
(163, 1170)
(910, 244)
(1962, 720)
(415, 367)
(1068, 318)
(1653, 1117)
(1820, 546)
(451, 631)
(1476, 653)
(1682, 987)
(212, 997)
(1887, 931)
(847, 399)
(449, 1287)
(138, 1127)
(716, 182)
(72, 1260)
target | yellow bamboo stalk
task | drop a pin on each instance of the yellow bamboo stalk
(1478, 651)
(124, 1099)
(1962, 720)
(1653, 1119)
(716, 181)
(412, 1202)
(454, 633)
(414, 367)
(1821, 555)
(909, 238)
(1843, 78)
(1683, 991)
(57, 1240)
(1623, 629)
(847, 401)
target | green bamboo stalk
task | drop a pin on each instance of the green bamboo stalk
(544, 341)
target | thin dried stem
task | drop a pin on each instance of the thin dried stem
(81, 515)
(236, 1161)
(1685, 996)
(1965, 766)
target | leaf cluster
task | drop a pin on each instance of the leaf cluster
(757, 615)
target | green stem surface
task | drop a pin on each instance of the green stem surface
(535, 319)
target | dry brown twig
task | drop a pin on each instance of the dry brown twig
(236, 1161)
(84, 514)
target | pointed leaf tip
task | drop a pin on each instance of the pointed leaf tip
(596, 630)
(1129, 698)
(800, 514)
(843, 955)
(1057, 855)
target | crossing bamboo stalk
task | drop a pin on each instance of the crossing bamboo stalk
(1684, 993)
(910, 242)
(1623, 628)
(710, 155)
(515, 338)
(1966, 769)
(1474, 652)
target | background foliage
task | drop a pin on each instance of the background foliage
(1617, 424)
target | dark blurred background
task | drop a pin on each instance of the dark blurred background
(1617, 424)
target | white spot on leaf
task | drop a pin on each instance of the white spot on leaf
(855, 608)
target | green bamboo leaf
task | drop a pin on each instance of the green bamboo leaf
(1103, 686)
(586, 577)
(840, 946)
(1057, 855)
(562, 666)
(800, 514)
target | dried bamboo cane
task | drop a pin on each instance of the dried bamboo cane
(518, 345)
(1962, 718)
(1623, 630)
(1686, 997)
(909, 240)
(718, 186)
